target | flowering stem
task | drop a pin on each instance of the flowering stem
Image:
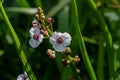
(20, 51)
(81, 43)
(108, 39)
(49, 31)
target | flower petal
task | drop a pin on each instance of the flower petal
(34, 30)
(33, 43)
(22, 77)
(59, 47)
(31, 31)
(52, 40)
(56, 35)
(40, 38)
(67, 39)
(37, 30)
(66, 36)
(66, 42)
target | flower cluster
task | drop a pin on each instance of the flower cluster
(42, 27)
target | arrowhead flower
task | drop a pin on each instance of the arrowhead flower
(23, 77)
(60, 41)
(36, 36)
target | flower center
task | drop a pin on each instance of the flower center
(36, 37)
(60, 40)
(25, 78)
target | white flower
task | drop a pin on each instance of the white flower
(60, 41)
(36, 37)
(35, 42)
(23, 77)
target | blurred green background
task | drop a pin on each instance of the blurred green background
(21, 13)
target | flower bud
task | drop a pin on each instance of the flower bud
(51, 53)
(44, 32)
(78, 71)
(65, 62)
(67, 51)
(42, 16)
(76, 58)
(40, 10)
(37, 16)
(50, 20)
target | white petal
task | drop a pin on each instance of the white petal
(33, 43)
(59, 47)
(56, 35)
(52, 40)
(20, 77)
(40, 38)
(31, 31)
(34, 30)
(66, 42)
(27, 79)
(66, 36)
(37, 30)
(67, 39)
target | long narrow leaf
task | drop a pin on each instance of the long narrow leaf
(17, 43)
(81, 42)
(108, 39)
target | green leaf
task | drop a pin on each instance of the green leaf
(17, 43)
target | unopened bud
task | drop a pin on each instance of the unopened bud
(76, 58)
(36, 16)
(43, 17)
(50, 20)
(44, 32)
(78, 71)
(39, 9)
(67, 51)
(65, 62)
(51, 53)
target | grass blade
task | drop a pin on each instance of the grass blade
(81, 42)
(108, 39)
(17, 43)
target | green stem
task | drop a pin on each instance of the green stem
(21, 53)
(82, 44)
(108, 39)
(100, 63)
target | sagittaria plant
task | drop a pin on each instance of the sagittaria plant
(42, 28)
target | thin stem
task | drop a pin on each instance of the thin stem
(82, 44)
(108, 39)
(100, 62)
(17, 43)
